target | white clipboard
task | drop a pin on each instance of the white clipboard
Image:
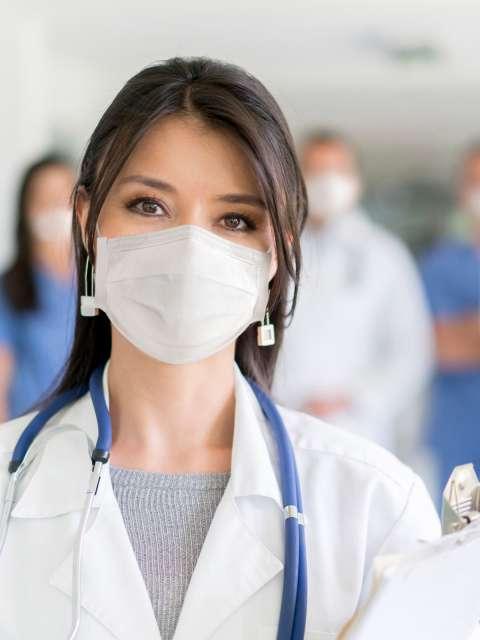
(431, 594)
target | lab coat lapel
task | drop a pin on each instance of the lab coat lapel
(113, 589)
(232, 566)
(235, 561)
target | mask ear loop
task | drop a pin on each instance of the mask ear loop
(88, 308)
(266, 330)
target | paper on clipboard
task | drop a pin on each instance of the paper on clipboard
(431, 594)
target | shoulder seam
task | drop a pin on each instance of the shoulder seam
(365, 463)
(400, 517)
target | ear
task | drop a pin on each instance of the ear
(273, 253)
(273, 263)
(82, 208)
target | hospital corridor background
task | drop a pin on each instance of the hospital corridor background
(383, 100)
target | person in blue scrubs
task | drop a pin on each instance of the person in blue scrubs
(451, 273)
(37, 291)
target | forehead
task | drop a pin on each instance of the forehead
(185, 149)
(333, 154)
(51, 180)
(471, 167)
(51, 175)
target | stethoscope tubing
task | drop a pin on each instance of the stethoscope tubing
(292, 619)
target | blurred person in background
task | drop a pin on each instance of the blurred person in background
(451, 273)
(358, 352)
(37, 295)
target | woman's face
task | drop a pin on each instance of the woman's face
(183, 172)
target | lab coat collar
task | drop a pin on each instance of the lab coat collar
(234, 563)
(254, 456)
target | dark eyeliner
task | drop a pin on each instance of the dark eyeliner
(149, 200)
(249, 221)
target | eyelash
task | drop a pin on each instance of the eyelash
(250, 223)
(134, 203)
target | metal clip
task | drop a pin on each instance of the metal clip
(291, 511)
(461, 499)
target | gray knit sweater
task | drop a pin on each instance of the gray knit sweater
(167, 517)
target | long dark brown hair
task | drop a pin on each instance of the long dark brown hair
(18, 280)
(222, 96)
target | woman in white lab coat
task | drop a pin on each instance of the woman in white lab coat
(192, 176)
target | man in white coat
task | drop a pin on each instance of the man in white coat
(358, 352)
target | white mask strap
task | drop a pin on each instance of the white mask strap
(87, 301)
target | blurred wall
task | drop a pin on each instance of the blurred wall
(400, 78)
(24, 108)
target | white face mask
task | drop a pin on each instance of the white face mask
(52, 226)
(182, 294)
(331, 194)
(472, 202)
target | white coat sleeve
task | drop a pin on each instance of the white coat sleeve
(399, 376)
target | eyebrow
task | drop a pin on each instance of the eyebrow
(161, 185)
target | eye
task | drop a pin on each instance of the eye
(238, 222)
(147, 207)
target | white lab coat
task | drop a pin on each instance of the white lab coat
(361, 330)
(358, 500)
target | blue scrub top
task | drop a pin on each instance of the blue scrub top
(40, 340)
(451, 273)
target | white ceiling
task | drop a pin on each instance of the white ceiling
(353, 65)
(296, 42)
(327, 62)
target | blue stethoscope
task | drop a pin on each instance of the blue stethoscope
(294, 597)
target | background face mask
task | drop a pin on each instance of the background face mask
(52, 226)
(182, 294)
(331, 194)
